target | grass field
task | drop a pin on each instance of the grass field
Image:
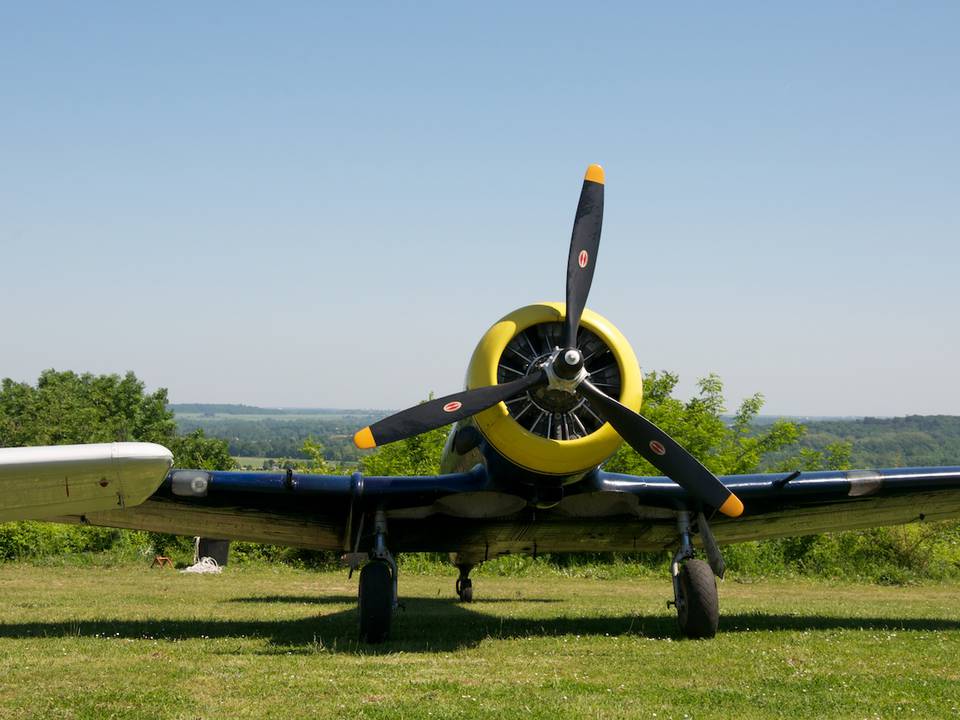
(128, 642)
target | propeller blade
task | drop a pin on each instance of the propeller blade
(584, 243)
(442, 411)
(663, 452)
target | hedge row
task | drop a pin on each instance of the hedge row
(900, 554)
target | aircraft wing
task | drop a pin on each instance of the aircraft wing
(300, 510)
(802, 503)
(43, 482)
(464, 512)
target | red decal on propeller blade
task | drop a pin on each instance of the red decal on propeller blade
(583, 259)
(658, 447)
(452, 406)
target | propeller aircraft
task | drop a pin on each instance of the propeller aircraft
(552, 391)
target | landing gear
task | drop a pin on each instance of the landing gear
(464, 584)
(375, 601)
(698, 608)
(694, 586)
(377, 596)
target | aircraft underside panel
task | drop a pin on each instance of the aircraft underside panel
(528, 531)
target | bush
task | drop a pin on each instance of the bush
(888, 555)
(31, 540)
(891, 555)
(242, 552)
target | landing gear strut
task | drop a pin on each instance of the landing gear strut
(464, 584)
(377, 597)
(694, 586)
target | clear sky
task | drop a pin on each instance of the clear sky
(311, 204)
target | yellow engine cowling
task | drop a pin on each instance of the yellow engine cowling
(516, 443)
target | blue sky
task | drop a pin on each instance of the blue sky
(299, 204)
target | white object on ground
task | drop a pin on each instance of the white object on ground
(203, 565)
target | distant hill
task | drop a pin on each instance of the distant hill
(762, 420)
(234, 409)
(276, 432)
(914, 440)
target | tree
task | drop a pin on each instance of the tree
(726, 447)
(199, 452)
(66, 408)
(419, 455)
(316, 463)
(835, 456)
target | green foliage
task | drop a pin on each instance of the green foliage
(835, 456)
(419, 455)
(915, 440)
(254, 553)
(698, 424)
(887, 555)
(314, 451)
(312, 459)
(198, 451)
(67, 408)
(30, 540)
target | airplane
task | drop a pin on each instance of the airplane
(552, 390)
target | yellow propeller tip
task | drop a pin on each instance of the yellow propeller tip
(732, 506)
(363, 439)
(594, 174)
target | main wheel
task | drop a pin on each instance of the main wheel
(465, 590)
(698, 611)
(375, 601)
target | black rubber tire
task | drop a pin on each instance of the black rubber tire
(465, 590)
(375, 602)
(699, 613)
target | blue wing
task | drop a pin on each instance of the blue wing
(801, 503)
(465, 512)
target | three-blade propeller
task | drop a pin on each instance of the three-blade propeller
(564, 370)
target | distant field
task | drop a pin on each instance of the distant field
(331, 417)
(279, 435)
(279, 643)
(211, 411)
(257, 462)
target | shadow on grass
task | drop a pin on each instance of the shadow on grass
(434, 624)
(297, 599)
(348, 599)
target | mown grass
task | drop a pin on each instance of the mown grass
(124, 641)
